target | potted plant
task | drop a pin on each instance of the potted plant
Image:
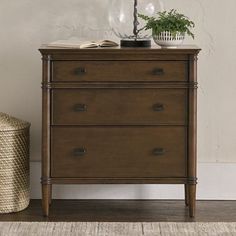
(169, 28)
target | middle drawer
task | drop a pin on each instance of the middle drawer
(118, 106)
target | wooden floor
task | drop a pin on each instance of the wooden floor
(126, 211)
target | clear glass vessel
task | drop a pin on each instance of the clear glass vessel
(125, 23)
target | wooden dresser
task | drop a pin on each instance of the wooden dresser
(119, 116)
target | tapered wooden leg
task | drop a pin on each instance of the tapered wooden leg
(50, 195)
(186, 194)
(46, 198)
(192, 199)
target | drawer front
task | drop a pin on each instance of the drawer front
(118, 152)
(85, 71)
(119, 106)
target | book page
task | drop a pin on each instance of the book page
(76, 43)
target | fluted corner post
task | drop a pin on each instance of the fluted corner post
(192, 136)
(46, 96)
(186, 193)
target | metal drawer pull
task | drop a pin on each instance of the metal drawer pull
(158, 71)
(80, 71)
(158, 107)
(159, 151)
(78, 152)
(80, 107)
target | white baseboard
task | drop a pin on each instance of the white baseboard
(215, 183)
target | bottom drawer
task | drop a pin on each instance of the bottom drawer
(118, 152)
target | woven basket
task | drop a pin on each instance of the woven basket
(14, 164)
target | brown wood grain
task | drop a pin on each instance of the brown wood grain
(119, 152)
(125, 180)
(88, 71)
(119, 128)
(125, 211)
(192, 136)
(46, 117)
(119, 106)
(116, 54)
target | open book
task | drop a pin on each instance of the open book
(75, 43)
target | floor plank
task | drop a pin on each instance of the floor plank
(126, 211)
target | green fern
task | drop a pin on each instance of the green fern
(171, 21)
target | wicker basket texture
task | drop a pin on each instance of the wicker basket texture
(14, 164)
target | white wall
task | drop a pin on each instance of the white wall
(26, 24)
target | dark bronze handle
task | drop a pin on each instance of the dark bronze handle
(80, 71)
(158, 107)
(78, 152)
(159, 151)
(80, 107)
(158, 71)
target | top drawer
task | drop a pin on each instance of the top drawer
(101, 71)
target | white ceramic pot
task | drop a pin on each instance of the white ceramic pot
(168, 40)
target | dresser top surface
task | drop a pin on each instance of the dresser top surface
(185, 49)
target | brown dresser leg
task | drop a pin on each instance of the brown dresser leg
(46, 198)
(192, 199)
(50, 195)
(186, 194)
